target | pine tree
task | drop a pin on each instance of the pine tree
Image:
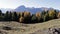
(14, 16)
(6, 16)
(0, 12)
(34, 19)
(10, 16)
(1, 16)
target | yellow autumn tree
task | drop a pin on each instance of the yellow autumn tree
(51, 14)
(58, 15)
(38, 15)
(27, 14)
(21, 19)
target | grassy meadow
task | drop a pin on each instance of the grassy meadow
(20, 28)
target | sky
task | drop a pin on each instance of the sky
(30, 3)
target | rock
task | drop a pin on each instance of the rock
(54, 30)
(7, 28)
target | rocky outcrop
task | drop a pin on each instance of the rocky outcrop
(53, 30)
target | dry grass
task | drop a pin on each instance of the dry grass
(19, 28)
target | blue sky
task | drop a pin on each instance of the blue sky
(30, 3)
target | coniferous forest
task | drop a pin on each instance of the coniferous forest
(27, 17)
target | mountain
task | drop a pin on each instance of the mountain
(32, 10)
(22, 8)
(6, 9)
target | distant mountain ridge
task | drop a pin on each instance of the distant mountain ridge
(22, 8)
(6, 9)
(32, 10)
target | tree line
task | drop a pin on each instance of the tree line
(8, 16)
(27, 17)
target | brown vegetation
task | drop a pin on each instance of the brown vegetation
(21, 19)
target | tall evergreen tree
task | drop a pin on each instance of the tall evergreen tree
(6, 16)
(14, 17)
(1, 17)
(10, 16)
(0, 12)
(33, 18)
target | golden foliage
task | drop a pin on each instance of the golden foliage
(51, 13)
(38, 14)
(21, 19)
(58, 15)
(27, 14)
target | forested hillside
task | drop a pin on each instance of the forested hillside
(27, 17)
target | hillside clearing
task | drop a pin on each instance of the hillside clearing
(19, 28)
